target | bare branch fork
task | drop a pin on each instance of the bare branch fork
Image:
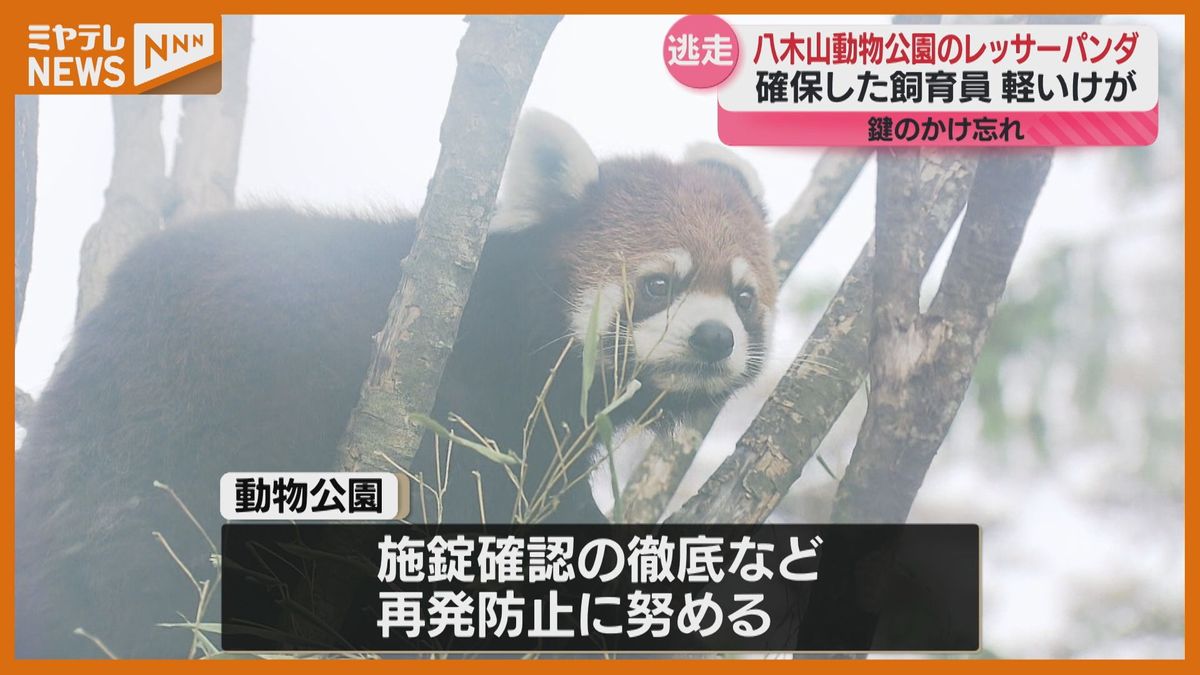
(921, 363)
(140, 199)
(204, 175)
(496, 62)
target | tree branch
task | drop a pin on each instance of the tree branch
(25, 141)
(832, 178)
(496, 61)
(25, 196)
(823, 378)
(204, 175)
(658, 474)
(921, 364)
(133, 202)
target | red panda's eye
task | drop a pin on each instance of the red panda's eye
(656, 286)
(745, 299)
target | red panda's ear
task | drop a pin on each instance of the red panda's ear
(549, 165)
(719, 155)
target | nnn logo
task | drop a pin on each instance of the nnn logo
(161, 48)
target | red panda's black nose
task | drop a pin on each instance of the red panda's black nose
(712, 341)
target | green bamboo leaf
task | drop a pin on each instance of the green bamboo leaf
(435, 427)
(633, 388)
(604, 428)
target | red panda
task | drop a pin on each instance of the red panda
(239, 343)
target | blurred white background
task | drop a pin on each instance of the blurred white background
(1069, 449)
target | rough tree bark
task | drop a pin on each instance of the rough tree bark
(921, 363)
(134, 200)
(658, 475)
(204, 175)
(772, 453)
(496, 61)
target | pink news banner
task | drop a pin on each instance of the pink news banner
(944, 85)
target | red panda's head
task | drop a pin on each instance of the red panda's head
(676, 254)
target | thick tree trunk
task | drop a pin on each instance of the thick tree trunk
(496, 61)
(921, 363)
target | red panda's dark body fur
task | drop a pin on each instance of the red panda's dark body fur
(239, 343)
